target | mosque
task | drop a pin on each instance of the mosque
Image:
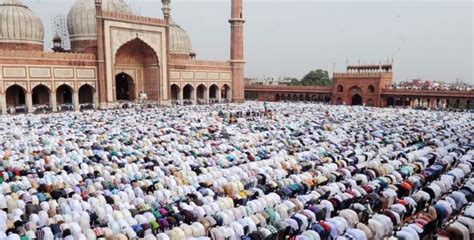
(116, 56)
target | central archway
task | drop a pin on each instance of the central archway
(139, 57)
(124, 87)
(356, 100)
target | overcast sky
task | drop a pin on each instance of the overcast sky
(426, 39)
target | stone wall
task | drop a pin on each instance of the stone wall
(21, 46)
(196, 72)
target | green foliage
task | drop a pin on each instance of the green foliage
(294, 81)
(314, 78)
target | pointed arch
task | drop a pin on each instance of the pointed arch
(86, 94)
(225, 93)
(356, 100)
(327, 99)
(188, 91)
(213, 92)
(201, 93)
(355, 90)
(15, 96)
(390, 102)
(175, 92)
(124, 87)
(64, 94)
(138, 55)
(136, 39)
(371, 89)
(40, 95)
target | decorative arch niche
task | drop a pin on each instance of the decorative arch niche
(138, 56)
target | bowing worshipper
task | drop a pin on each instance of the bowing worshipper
(183, 173)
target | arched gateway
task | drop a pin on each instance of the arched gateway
(356, 100)
(137, 71)
(124, 87)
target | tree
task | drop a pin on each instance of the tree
(317, 77)
(294, 82)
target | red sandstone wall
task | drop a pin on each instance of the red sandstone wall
(151, 83)
(21, 46)
(46, 58)
(352, 81)
(181, 64)
(180, 56)
(134, 18)
(84, 46)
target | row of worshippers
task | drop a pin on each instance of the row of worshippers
(183, 173)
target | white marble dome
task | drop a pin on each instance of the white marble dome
(81, 20)
(179, 40)
(18, 24)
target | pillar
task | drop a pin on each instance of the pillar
(237, 51)
(229, 95)
(3, 103)
(29, 102)
(194, 96)
(206, 95)
(180, 96)
(431, 103)
(219, 95)
(75, 101)
(95, 99)
(53, 101)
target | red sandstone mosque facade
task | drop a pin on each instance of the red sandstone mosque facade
(115, 56)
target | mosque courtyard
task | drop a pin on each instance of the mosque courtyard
(236, 171)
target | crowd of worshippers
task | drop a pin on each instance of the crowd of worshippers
(309, 172)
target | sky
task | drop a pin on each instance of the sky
(426, 39)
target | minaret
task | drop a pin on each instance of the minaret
(237, 51)
(166, 9)
(101, 75)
